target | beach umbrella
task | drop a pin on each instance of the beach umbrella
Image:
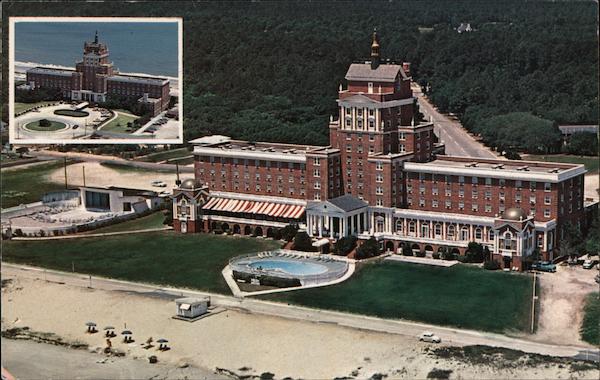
(162, 340)
(90, 324)
(126, 332)
(109, 328)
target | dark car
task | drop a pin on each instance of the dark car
(544, 266)
(75, 126)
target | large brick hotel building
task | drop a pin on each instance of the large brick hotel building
(383, 176)
(95, 78)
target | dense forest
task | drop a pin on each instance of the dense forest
(270, 70)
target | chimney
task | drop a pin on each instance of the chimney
(406, 68)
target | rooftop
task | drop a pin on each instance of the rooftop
(224, 146)
(51, 71)
(138, 79)
(385, 72)
(517, 169)
(348, 202)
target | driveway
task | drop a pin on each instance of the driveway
(562, 296)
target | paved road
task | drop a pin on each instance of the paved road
(449, 335)
(44, 154)
(450, 131)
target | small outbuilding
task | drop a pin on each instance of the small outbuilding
(192, 307)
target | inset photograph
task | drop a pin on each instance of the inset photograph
(95, 80)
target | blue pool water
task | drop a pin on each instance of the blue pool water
(289, 266)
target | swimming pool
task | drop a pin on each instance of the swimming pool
(291, 265)
(294, 267)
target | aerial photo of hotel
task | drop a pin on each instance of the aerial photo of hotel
(93, 101)
(415, 199)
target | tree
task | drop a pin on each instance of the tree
(369, 248)
(289, 232)
(345, 245)
(572, 244)
(583, 143)
(302, 242)
(475, 252)
(45, 123)
(407, 250)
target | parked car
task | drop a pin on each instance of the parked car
(430, 337)
(589, 264)
(544, 266)
(75, 126)
(158, 183)
(597, 278)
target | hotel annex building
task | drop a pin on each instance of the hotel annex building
(383, 176)
(95, 78)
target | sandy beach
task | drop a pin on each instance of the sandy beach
(232, 339)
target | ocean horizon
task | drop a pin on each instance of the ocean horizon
(135, 47)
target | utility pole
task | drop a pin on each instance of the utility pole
(83, 168)
(66, 183)
(178, 181)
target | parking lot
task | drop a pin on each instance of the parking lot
(562, 296)
(161, 126)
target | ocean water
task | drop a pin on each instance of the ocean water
(134, 47)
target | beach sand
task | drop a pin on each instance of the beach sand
(233, 339)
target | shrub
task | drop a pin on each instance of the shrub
(447, 254)
(279, 282)
(407, 251)
(369, 248)
(436, 255)
(420, 253)
(461, 259)
(289, 232)
(439, 373)
(345, 245)
(491, 265)
(44, 123)
(277, 234)
(168, 217)
(475, 253)
(302, 242)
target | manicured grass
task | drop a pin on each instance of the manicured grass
(590, 326)
(460, 296)
(20, 107)
(154, 220)
(26, 185)
(168, 258)
(119, 124)
(165, 155)
(54, 126)
(591, 163)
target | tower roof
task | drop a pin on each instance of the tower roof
(382, 73)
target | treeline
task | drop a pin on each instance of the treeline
(270, 71)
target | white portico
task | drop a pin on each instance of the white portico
(337, 217)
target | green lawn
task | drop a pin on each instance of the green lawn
(460, 296)
(119, 124)
(128, 169)
(54, 126)
(20, 107)
(154, 220)
(26, 185)
(590, 326)
(591, 163)
(165, 155)
(192, 261)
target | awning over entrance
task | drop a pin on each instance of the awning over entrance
(275, 210)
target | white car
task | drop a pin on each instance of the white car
(158, 184)
(428, 336)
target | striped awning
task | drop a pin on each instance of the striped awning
(273, 209)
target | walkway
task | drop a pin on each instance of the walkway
(423, 260)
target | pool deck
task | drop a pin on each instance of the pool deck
(227, 273)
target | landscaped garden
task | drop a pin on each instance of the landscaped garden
(72, 113)
(590, 327)
(460, 296)
(20, 107)
(168, 258)
(154, 220)
(18, 188)
(45, 125)
(123, 123)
